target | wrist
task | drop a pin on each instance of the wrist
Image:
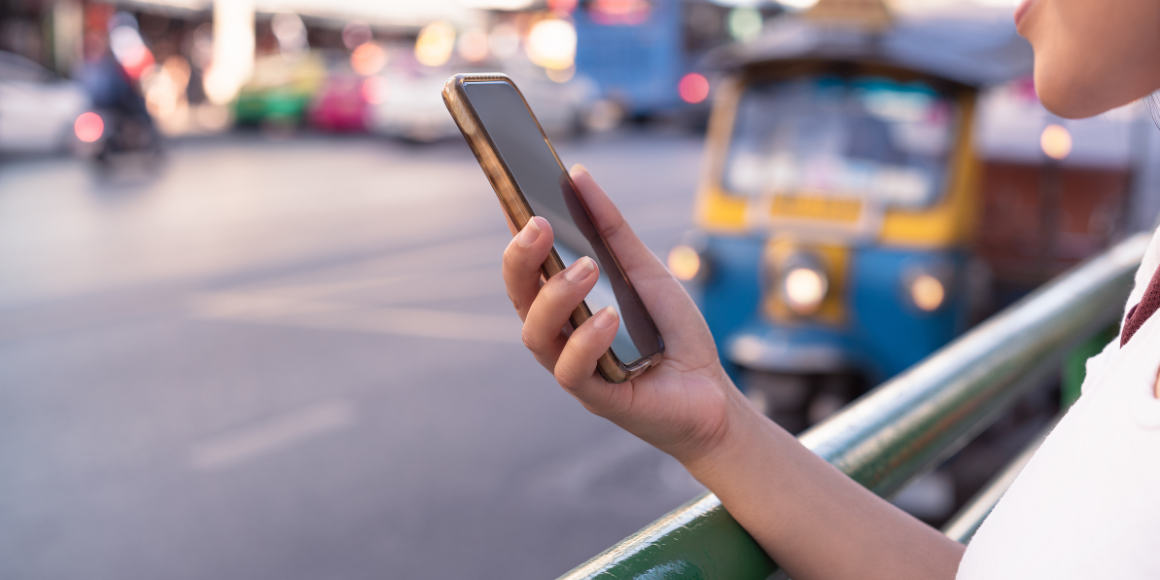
(739, 427)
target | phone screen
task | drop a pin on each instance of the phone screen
(545, 185)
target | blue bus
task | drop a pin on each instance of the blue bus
(643, 53)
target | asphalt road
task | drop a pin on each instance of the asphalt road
(295, 360)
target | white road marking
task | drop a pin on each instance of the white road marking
(439, 259)
(313, 314)
(378, 296)
(395, 289)
(271, 435)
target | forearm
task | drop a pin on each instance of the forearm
(816, 522)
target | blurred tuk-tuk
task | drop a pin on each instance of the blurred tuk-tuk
(835, 215)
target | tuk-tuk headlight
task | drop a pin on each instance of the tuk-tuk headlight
(804, 287)
(927, 292)
(684, 262)
(690, 260)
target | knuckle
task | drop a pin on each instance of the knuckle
(563, 376)
(567, 292)
(510, 253)
(516, 302)
(556, 296)
(531, 342)
(610, 230)
(550, 291)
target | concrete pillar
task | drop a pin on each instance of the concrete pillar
(233, 49)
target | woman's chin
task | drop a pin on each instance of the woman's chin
(1069, 97)
(1069, 108)
(1077, 92)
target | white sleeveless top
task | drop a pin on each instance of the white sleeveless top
(1087, 505)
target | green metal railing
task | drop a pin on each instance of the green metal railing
(903, 428)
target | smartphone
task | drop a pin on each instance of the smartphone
(530, 180)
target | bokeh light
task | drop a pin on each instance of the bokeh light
(375, 90)
(290, 31)
(1055, 141)
(495, 4)
(804, 289)
(693, 88)
(561, 75)
(356, 33)
(435, 44)
(798, 4)
(219, 87)
(89, 127)
(165, 93)
(368, 58)
(684, 263)
(130, 50)
(744, 23)
(927, 292)
(473, 45)
(504, 41)
(619, 12)
(562, 6)
(232, 42)
(552, 44)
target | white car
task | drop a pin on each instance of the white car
(413, 106)
(37, 107)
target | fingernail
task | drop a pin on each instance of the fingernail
(580, 269)
(605, 318)
(577, 169)
(529, 233)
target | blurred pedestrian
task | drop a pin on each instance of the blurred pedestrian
(118, 99)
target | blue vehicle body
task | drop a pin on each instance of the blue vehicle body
(638, 65)
(882, 332)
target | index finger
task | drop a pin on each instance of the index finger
(521, 263)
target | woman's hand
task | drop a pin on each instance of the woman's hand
(813, 520)
(681, 405)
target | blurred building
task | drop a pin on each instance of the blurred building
(1057, 191)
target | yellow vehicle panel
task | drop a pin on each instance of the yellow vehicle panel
(949, 221)
(816, 207)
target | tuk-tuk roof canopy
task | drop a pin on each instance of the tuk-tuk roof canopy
(976, 48)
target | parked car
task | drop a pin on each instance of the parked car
(38, 108)
(413, 108)
(341, 105)
(280, 90)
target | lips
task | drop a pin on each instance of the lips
(1021, 11)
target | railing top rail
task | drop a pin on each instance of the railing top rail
(903, 427)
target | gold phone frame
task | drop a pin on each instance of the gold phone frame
(519, 211)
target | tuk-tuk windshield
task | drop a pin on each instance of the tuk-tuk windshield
(869, 137)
